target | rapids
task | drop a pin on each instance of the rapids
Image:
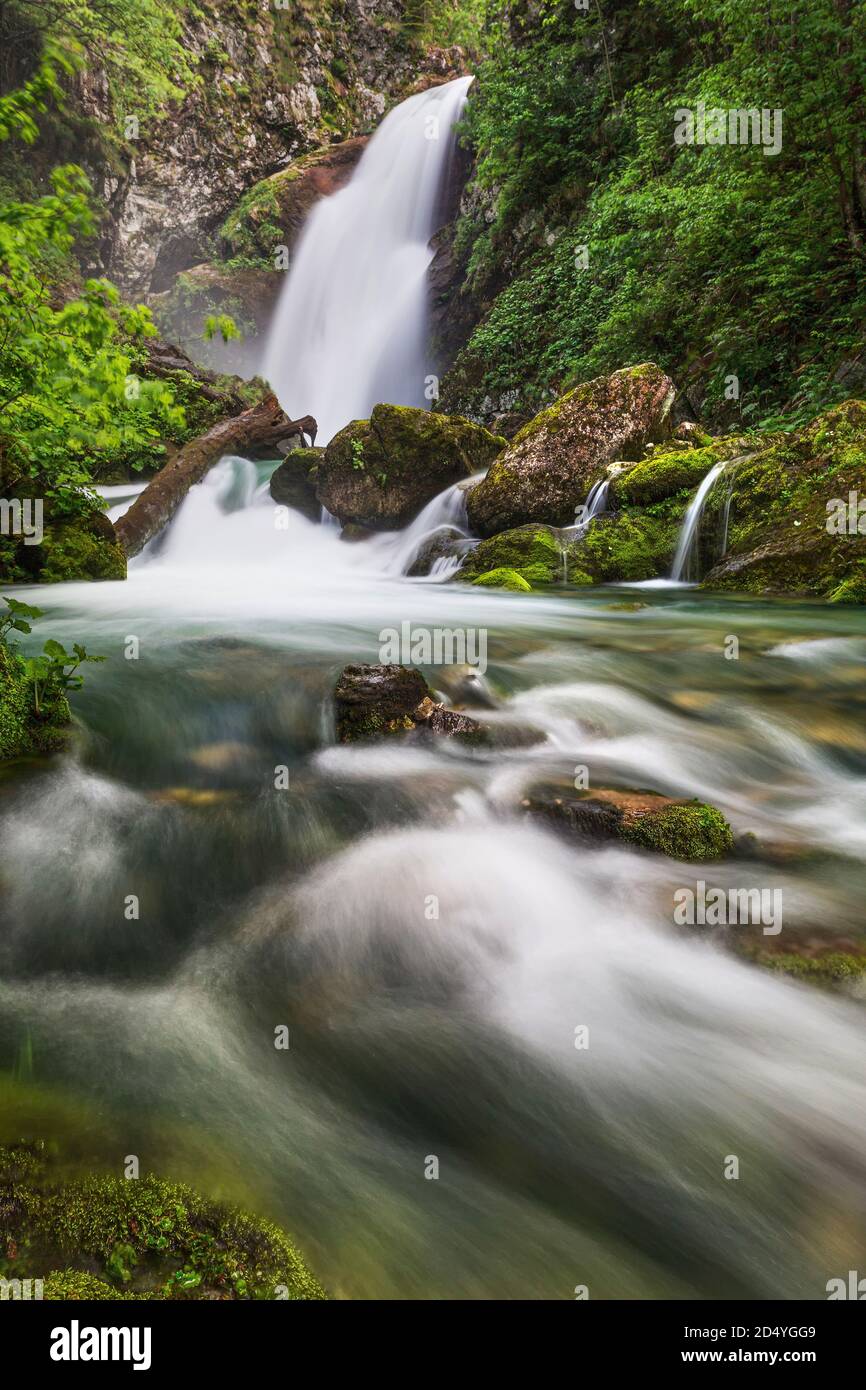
(454, 1036)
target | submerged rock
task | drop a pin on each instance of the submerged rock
(293, 484)
(689, 830)
(548, 469)
(383, 701)
(373, 701)
(381, 472)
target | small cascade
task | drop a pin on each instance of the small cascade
(595, 504)
(685, 556)
(445, 514)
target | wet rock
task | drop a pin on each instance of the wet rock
(550, 465)
(73, 548)
(503, 579)
(381, 472)
(534, 553)
(389, 700)
(665, 474)
(444, 544)
(293, 484)
(688, 830)
(789, 528)
(373, 701)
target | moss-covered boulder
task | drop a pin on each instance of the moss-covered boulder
(789, 525)
(101, 1237)
(630, 545)
(293, 484)
(533, 552)
(549, 467)
(688, 830)
(23, 732)
(381, 472)
(666, 473)
(503, 579)
(72, 547)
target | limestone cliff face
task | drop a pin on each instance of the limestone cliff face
(274, 84)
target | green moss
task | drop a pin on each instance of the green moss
(836, 967)
(504, 579)
(144, 1236)
(65, 1284)
(80, 548)
(532, 552)
(23, 733)
(777, 537)
(665, 474)
(629, 546)
(694, 832)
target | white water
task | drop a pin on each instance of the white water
(691, 522)
(351, 325)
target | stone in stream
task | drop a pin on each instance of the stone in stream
(381, 472)
(689, 830)
(293, 484)
(551, 464)
(383, 701)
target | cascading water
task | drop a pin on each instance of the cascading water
(351, 326)
(264, 903)
(684, 557)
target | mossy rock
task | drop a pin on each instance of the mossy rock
(693, 832)
(23, 732)
(832, 968)
(689, 830)
(504, 579)
(629, 546)
(381, 472)
(83, 547)
(665, 474)
(143, 1236)
(778, 537)
(532, 552)
(293, 483)
(549, 467)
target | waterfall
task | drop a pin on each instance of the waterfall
(688, 536)
(351, 324)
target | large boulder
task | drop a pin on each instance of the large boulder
(791, 527)
(549, 467)
(381, 472)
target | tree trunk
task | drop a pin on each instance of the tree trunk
(262, 425)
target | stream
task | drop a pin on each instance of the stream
(452, 1038)
(206, 867)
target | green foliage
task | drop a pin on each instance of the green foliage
(222, 325)
(712, 260)
(69, 397)
(54, 672)
(18, 617)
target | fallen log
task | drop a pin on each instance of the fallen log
(264, 423)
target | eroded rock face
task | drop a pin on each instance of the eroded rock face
(275, 84)
(380, 472)
(550, 465)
